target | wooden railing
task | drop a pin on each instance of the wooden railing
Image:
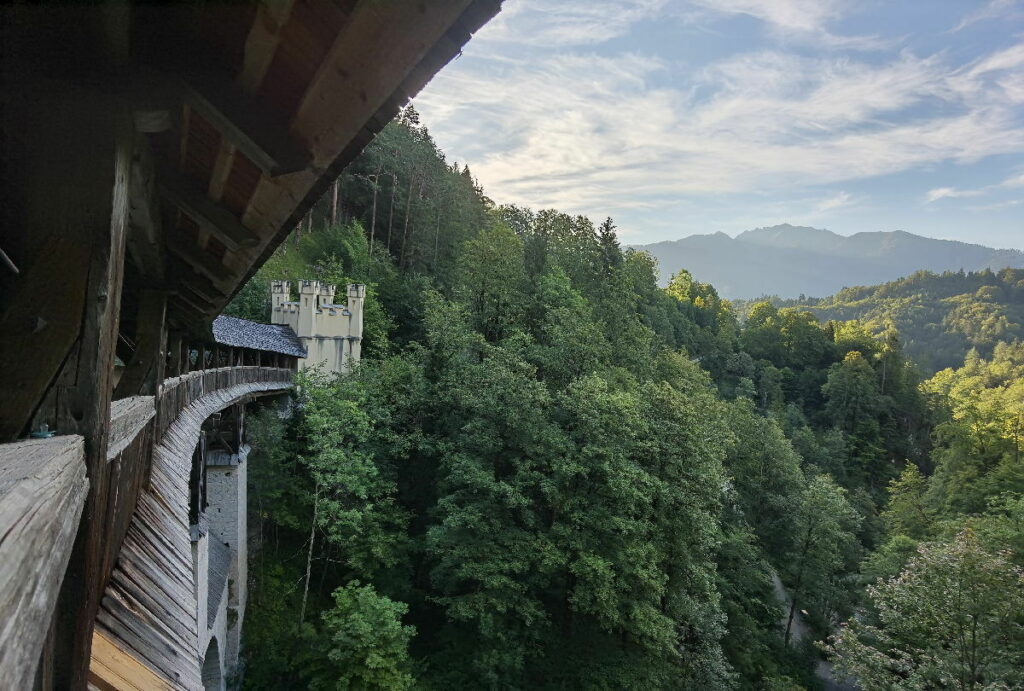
(43, 489)
(42, 492)
(178, 393)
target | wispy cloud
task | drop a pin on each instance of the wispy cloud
(994, 9)
(998, 206)
(835, 202)
(567, 23)
(807, 20)
(581, 128)
(1012, 182)
(950, 193)
(666, 109)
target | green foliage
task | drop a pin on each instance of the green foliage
(909, 513)
(824, 545)
(767, 476)
(952, 619)
(366, 643)
(549, 472)
(979, 441)
(940, 316)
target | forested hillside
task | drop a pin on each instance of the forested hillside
(940, 317)
(549, 472)
(790, 260)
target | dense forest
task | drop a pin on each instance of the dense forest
(940, 317)
(549, 472)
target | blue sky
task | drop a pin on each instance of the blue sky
(696, 116)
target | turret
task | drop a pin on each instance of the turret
(327, 292)
(356, 297)
(280, 293)
(309, 303)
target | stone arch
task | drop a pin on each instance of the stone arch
(213, 678)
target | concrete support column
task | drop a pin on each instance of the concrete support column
(227, 476)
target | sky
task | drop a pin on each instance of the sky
(677, 117)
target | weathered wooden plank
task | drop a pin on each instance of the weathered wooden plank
(43, 487)
(127, 418)
(261, 43)
(149, 611)
(118, 669)
(145, 239)
(103, 170)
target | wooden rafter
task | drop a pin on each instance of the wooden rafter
(198, 258)
(211, 216)
(242, 121)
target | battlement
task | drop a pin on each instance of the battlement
(330, 331)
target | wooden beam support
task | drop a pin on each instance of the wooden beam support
(95, 172)
(203, 288)
(174, 351)
(176, 188)
(261, 43)
(145, 371)
(198, 258)
(243, 122)
(145, 239)
(195, 303)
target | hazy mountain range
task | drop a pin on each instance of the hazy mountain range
(790, 260)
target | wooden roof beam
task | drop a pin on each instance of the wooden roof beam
(245, 123)
(204, 288)
(176, 188)
(145, 240)
(198, 258)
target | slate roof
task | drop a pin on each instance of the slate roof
(242, 333)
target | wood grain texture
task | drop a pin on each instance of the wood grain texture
(42, 491)
(148, 618)
(127, 418)
(114, 668)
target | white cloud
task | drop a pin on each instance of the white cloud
(566, 23)
(836, 202)
(998, 206)
(950, 193)
(803, 19)
(794, 15)
(575, 131)
(1011, 182)
(994, 9)
(549, 113)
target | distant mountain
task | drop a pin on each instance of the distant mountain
(790, 260)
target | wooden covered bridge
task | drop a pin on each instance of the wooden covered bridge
(152, 157)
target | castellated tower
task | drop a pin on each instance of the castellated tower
(330, 332)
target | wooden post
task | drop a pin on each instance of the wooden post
(174, 349)
(89, 213)
(145, 371)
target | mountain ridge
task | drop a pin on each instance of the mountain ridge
(788, 260)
